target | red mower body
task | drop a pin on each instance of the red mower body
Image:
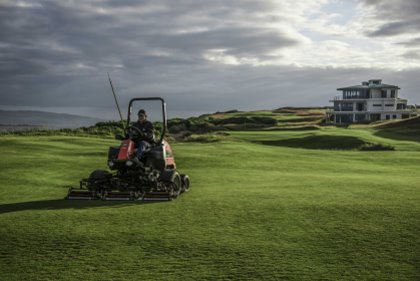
(127, 150)
(169, 156)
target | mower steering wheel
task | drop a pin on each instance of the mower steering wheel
(135, 131)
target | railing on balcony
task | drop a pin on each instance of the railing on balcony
(339, 98)
(332, 110)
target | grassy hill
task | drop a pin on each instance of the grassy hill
(264, 205)
(287, 117)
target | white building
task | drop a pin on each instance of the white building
(371, 101)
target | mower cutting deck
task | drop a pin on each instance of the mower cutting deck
(154, 177)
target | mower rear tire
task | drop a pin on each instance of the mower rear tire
(176, 185)
(185, 179)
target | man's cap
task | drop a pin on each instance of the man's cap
(141, 111)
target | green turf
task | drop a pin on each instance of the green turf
(258, 209)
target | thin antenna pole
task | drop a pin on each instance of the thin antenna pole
(116, 102)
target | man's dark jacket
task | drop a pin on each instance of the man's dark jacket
(147, 128)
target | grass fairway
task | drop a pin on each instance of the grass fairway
(262, 206)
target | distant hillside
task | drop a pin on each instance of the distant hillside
(29, 119)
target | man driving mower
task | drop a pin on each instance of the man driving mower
(143, 134)
(148, 174)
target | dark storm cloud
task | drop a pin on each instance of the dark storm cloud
(414, 55)
(51, 51)
(401, 16)
(57, 53)
(47, 38)
(237, 41)
(411, 43)
(396, 28)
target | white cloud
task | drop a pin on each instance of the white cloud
(219, 56)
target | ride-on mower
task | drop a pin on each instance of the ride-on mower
(154, 177)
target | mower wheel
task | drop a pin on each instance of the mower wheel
(99, 175)
(177, 185)
(185, 179)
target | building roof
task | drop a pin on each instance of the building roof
(369, 86)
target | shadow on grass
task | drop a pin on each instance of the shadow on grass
(399, 135)
(60, 204)
(295, 128)
(405, 130)
(319, 142)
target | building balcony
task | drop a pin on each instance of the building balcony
(333, 111)
(355, 99)
(338, 98)
(351, 98)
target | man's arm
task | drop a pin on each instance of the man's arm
(149, 134)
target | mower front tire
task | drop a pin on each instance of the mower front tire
(99, 175)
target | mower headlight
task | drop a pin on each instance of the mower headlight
(110, 163)
(129, 163)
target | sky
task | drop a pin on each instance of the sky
(202, 56)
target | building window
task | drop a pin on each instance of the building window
(375, 117)
(345, 118)
(377, 105)
(360, 117)
(389, 104)
(392, 93)
(383, 94)
(354, 94)
(347, 106)
(336, 106)
(388, 117)
(394, 116)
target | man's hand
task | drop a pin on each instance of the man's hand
(135, 132)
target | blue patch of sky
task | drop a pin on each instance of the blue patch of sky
(346, 9)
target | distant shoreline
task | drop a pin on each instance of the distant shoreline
(20, 127)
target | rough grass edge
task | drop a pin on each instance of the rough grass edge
(376, 147)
